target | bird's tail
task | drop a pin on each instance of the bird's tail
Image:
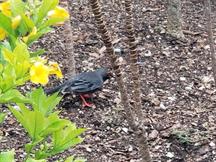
(54, 89)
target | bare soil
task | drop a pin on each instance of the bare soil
(179, 93)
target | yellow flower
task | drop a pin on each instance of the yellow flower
(55, 69)
(39, 73)
(33, 32)
(59, 12)
(5, 8)
(16, 21)
(3, 34)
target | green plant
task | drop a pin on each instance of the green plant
(182, 137)
(29, 20)
(73, 159)
(2, 117)
(15, 68)
(7, 156)
(49, 134)
(22, 23)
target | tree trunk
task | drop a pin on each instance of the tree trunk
(134, 68)
(136, 95)
(68, 35)
(174, 26)
(140, 133)
(210, 36)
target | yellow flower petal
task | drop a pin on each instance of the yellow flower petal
(59, 12)
(5, 8)
(39, 73)
(55, 69)
(3, 34)
(33, 32)
(16, 21)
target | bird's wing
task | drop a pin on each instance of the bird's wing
(84, 85)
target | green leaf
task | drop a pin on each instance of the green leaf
(26, 25)
(7, 156)
(21, 50)
(17, 7)
(66, 138)
(32, 121)
(50, 22)
(6, 24)
(69, 159)
(29, 146)
(73, 159)
(62, 139)
(2, 117)
(13, 95)
(80, 160)
(42, 102)
(45, 7)
(55, 124)
(35, 37)
(33, 160)
(37, 53)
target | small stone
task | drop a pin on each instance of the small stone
(212, 144)
(170, 155)
(163, 31)
(90, 64)
(207, 47)
(81, 112)
(125, 130)
(153, 135)
(130, 149)
(157, 147)
(188, 88)
(148, 54)
(155, 101)
(88, 149)
(97, 139)
(182, 79)
(206, 79)
(16, 107)
(172, 98)
(117, 50)
(209, 68)
(117, 101)
(162, 106)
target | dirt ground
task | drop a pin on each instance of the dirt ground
(177, 85)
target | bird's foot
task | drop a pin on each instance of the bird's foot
(87, 104)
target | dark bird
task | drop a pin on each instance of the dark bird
(83, 84)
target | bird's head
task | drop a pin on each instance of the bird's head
(104, 72)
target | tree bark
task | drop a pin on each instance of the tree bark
(174, 26)
(210, 36)
(139, 132)
(68, 35)
(136, 95)
(134, 68)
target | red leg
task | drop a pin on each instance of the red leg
(87, 95)
(85, 103)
